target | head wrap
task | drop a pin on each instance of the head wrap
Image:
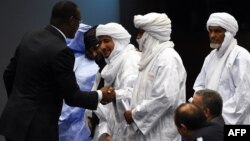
(76, 44)
(158, 25)
(90, 38)
(114, 30)
(223, 20)
(121, 39)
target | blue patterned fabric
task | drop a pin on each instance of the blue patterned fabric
(71, 122)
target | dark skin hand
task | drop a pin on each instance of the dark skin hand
(128, 117)
(108, 94)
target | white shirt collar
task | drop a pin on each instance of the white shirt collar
(59, 31)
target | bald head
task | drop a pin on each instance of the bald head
(190, 115)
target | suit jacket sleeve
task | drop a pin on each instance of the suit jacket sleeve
(10, 73)
(67, 85)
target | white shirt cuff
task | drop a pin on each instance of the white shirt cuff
(99, 95)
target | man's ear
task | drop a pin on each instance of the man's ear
(207, 113)
(183, 126)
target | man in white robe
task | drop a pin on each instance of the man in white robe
(161, 84)
(226, 69)
(120, 72)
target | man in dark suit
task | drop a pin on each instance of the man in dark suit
(40, 76)
(211, 103)
(192, 124)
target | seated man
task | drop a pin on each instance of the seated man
(191, 123)
(211, 103)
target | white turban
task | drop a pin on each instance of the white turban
(114, 30)
(157, 25)
(223, 20)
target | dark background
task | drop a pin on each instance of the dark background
(189, 26)
(20, 16)
(188, 23)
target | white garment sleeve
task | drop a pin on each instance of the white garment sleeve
(103, 129)
(236, 110)
(127, 76)
(99, 95)
(103, 113)
(165, 95)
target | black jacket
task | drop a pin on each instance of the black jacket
(209, 132)
(38, 78)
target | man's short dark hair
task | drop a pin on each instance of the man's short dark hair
(63, 10)
(212, 100)
(90, 39)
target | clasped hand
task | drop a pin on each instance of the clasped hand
(108, 94)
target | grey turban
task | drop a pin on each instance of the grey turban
(223, 20)
(157, 25)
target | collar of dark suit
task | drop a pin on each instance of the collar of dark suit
(56, 32)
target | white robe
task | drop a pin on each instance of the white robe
(233, 85)
(123, 85)
(160, 88)
(111, 116)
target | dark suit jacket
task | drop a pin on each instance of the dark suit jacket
(209, 132)
(218, 120)
(38, 78)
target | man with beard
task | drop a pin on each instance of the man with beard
(226, 69)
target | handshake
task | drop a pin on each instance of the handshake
(108, 94)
